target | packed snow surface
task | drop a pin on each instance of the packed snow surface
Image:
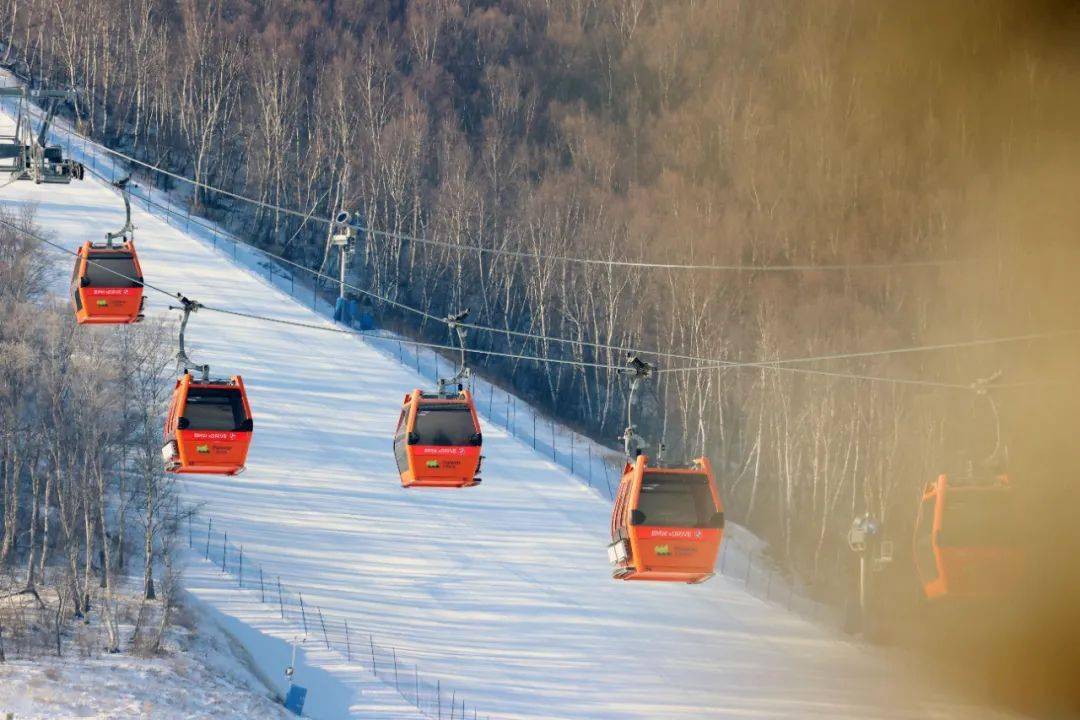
(503, 590)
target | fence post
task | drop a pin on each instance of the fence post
(262, 588)
(209, 525)
(416, 680)
(322, 622)
(491, 397)
(507, 412)
(371, 642)
(348, 643)
(554, 457)
(281, 602)
(572, 433)
(438, 697)
(315, 294)
(589, 446)
(241, 566)
(190, 537)
(534, 429)
(224, 540)
(396, 685)
(453, 704)
(303, 613)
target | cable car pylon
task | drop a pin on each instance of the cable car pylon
(438, 440)
(209, 426)
(667, 522)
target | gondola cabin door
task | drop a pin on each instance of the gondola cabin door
(667, 523)
(209, 427)
(966, 541)
(437, 442)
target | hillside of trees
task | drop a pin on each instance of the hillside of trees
(85, 501)
(706, 132)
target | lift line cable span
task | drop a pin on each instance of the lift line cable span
(703, 363)
(767, 365)
(539, 257)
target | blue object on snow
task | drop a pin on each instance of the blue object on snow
(294, 701)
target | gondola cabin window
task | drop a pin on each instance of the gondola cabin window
(112, 270)
(977, 518)
(682, 500)
(214, 409)
(446, 425)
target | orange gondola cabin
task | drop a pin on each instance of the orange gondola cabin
(209, 427)
(438, 440)
(107, 285)
(965, 543)
(667, 523)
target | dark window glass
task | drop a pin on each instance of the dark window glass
(112, 271)
(671, 500)
(977, 518)
(214, 409)
(444, 425)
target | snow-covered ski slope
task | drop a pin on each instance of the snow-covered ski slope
(501, 591)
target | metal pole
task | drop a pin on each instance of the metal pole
(322, 622)
(589, 446)
(396, 685)
(572, 433)
(281, 602)
(224, 539)
(348, 642)
(209, 524)
(862, 589)
(262, 588)
(241, 566)
(303, 613)
(341, 275)
(371, 643)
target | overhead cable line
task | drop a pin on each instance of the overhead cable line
(706, 363)
(509, 355)
(537, 256)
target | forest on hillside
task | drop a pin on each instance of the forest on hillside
(85, 502)
(929, 148)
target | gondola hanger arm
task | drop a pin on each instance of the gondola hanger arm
(183, 362)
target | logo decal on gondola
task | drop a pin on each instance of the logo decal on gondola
(663, 549)
(202, 448)
(113, 291)
(671, 533)
(213, 436)
(102, 303)
(437, 450)
(433, 463)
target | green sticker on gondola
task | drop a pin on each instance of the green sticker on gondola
(433, 463)
(202, 448)
(663, 549)
(102, 303)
